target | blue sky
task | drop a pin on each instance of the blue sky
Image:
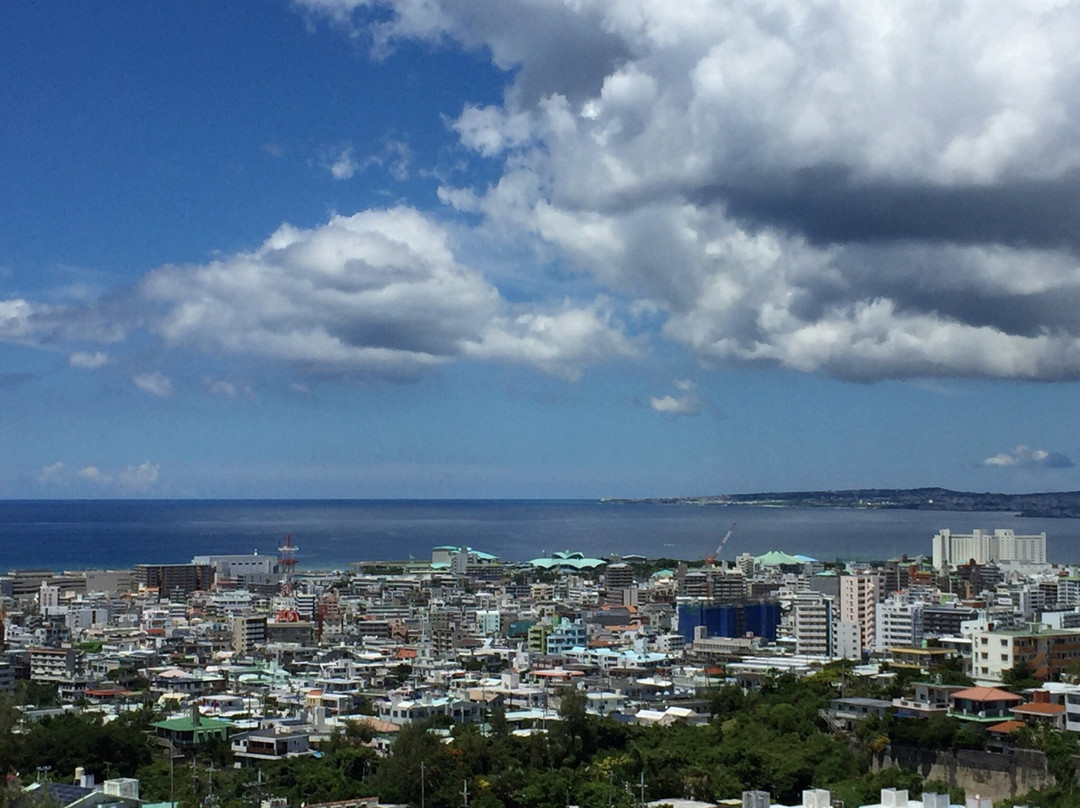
(470, 248)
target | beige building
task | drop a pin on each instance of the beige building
(859, 596)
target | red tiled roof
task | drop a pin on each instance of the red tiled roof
(1036, 708)
(1006, 727)
(986, 694)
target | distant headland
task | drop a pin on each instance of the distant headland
(1064, 504)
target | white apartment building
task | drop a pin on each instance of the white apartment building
(1002, 546)
(812, 624)
(847, 642)
(898, 623)
(1068, 591)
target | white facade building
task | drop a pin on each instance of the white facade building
(1002, 546)
(898, 623)
(812, 624)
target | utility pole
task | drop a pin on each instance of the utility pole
(172, 775)
(422, 784)
(465, 791)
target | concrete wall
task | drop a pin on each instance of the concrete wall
(990, 774)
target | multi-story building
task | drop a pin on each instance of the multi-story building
(7, 678)
(1046, 651)
(53, 664)
(239, 566)
(986, 547)
(1068, 591)
(812, 622)
(249, 632)
(940, 620)
(566, 634)
(898, 623)
(859, 596)
(175, 580)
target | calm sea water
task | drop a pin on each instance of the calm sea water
(330, 534)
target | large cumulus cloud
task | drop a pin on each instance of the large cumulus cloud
(863, 189)
(377, 293)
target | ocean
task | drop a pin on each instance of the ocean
(88, 534)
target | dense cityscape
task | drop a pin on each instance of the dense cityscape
(942, 678)
(372, 373)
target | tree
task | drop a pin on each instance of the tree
(1020, 677)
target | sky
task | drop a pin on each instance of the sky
(538, 249)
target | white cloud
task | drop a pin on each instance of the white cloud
(140, 477)
(87, 360)
(156, 384)
(92, 479)
(379, 292)
(94, 475)
(676, 406)
(226, 388)
(669, 405)
(344, 166)
(1024, 457)
(863, 190)
(51, 475)
(32, 323)
(559, 343)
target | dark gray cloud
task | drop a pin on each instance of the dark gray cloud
(828, 205)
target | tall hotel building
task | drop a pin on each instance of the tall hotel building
(983, 547)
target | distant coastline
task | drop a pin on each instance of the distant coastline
(1054, 505)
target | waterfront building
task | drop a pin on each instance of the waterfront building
(1001, 546)
(174, 580)
(239, 567)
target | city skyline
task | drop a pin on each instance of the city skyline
(336, 248)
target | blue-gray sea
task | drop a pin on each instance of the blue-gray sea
(330, 534)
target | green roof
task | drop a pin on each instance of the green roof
(775, 558)
(185, 724)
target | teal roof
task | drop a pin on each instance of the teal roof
(774, 558)
(575, 562)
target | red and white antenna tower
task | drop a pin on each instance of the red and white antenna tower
(287, 562)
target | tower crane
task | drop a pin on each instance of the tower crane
(710, 559)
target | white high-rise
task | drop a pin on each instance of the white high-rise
(986, 547)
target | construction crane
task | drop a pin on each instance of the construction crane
(710, 559)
